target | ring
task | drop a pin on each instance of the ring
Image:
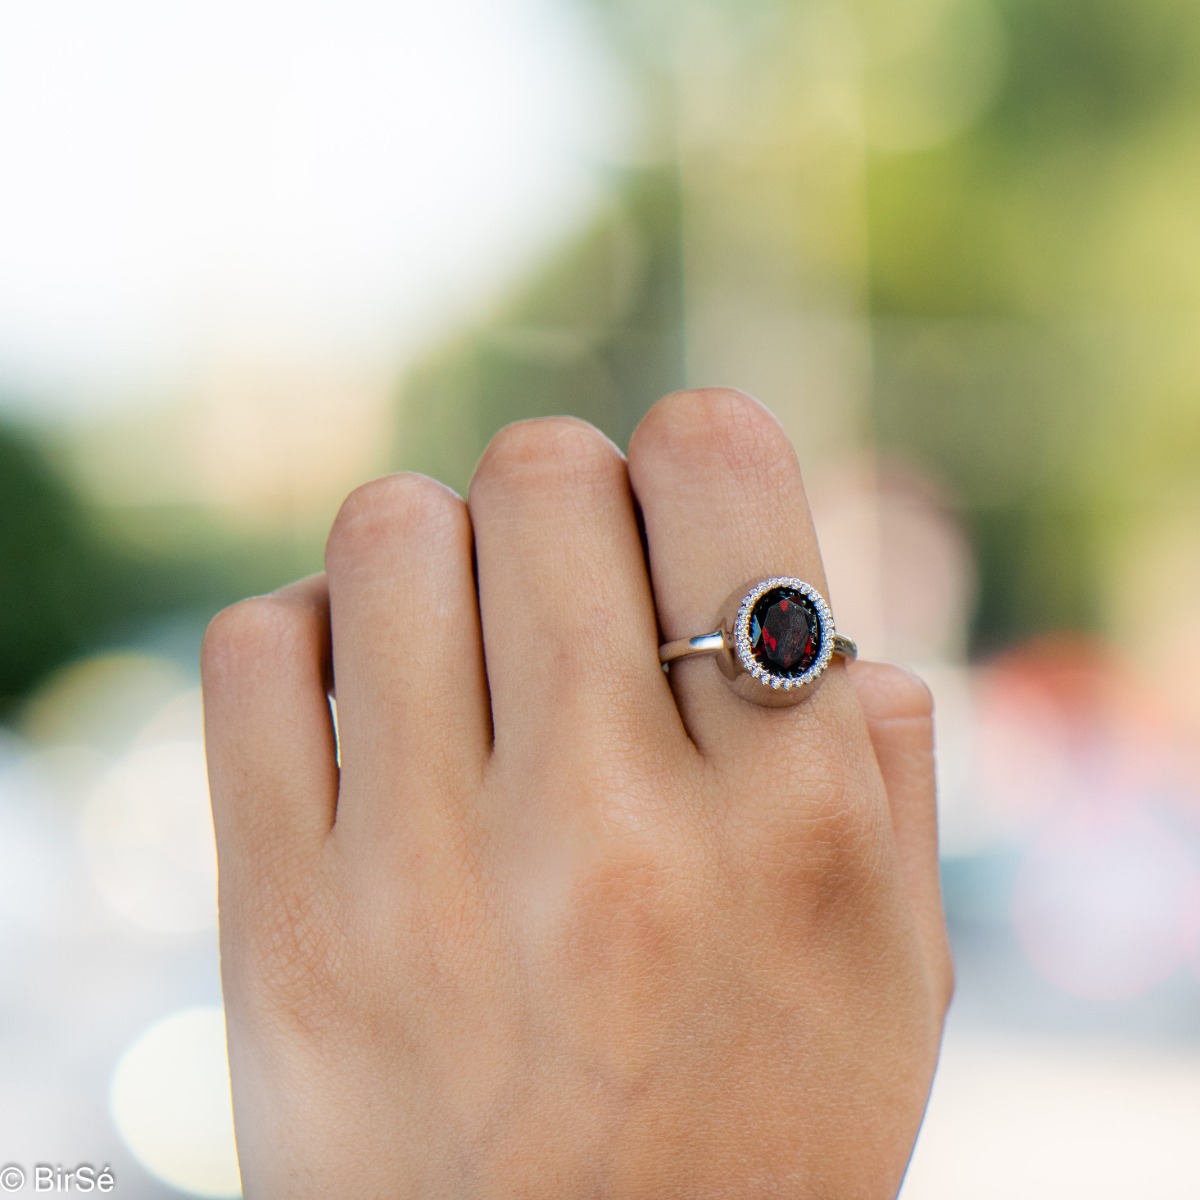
(774, 641)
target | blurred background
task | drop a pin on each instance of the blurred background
(254, 253)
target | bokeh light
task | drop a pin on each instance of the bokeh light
(171, 1103)
(1105, 902)
(147, 834)
(42, 886)
(900, 561)
(933, 68)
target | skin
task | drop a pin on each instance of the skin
(560, 925)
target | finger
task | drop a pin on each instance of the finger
(272, 764)
(724, 505)
(568, 619)
(899, 711)
(413, 722)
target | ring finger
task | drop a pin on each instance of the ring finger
(724, 504)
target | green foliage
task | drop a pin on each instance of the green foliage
(1014, 267)
(59, 584)
(72, 582)
(1028, 282)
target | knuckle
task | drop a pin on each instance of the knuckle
(841, 834)
(388, 507)
(547, 451)
(909, 696)
(822, 848)
(715, 424)
(917, 696)
(637, 904)
(243, 631)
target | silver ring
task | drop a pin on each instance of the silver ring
(774, 641)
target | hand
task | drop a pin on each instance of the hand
(562, 926)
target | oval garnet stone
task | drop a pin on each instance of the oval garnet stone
(784, 632)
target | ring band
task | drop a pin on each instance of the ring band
(775, 640)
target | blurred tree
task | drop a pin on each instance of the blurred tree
(962, 231)
(1019, 271)
(52, 567)
(69, 584)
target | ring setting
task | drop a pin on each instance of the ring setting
(783, 633)
(775, 641)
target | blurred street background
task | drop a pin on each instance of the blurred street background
(255, 253)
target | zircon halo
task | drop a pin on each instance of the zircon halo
(783, 633)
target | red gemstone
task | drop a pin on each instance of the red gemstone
(786, 637)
